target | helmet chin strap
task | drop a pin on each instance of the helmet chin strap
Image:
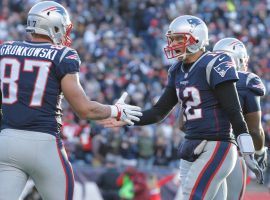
(184, 55)
(188, 53)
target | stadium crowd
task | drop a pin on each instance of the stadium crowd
(120, 43)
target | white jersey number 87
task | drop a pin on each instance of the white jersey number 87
(11, 81)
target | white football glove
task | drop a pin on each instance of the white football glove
(125, 112)
(199, 149)
(247, 150)
(261, 157)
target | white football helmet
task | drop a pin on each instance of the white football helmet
(236, 49)
(51, 19)
(186, 35)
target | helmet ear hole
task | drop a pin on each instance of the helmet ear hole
(56, 29)
(48, 13)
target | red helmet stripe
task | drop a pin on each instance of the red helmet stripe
(52, 8)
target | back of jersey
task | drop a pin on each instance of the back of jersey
(31, 74)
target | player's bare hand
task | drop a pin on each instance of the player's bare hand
(111, 123)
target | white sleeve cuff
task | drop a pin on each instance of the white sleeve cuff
(114, 111)
(245, 143)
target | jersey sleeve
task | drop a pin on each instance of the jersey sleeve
(252, 103)
(222, 70)
(171, 76)
(69, 63)
(255, 84)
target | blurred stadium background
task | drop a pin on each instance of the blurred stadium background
(120, 43)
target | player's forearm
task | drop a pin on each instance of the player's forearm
(94, 111)
(258, 138)
(81, 104)
(151, 116)
(253, 120)
(161, 109)
(231, 105)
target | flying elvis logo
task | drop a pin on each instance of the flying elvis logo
(193, 23)
(259, 86)
(236, 43)
(73, 56)
(223, 67)
(55, 8)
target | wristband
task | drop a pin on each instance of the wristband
(245, 143)
(114, 111)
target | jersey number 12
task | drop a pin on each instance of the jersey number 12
(192, 111)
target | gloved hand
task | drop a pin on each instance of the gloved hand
(125, 112)
(199, 149)
(247, 150)
(261, 157)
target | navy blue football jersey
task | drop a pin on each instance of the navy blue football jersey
(195, 90)
(31, 74)
(248, 86)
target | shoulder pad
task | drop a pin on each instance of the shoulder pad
(219, 62)
(223, 57)
(70, 54)
(255, 84)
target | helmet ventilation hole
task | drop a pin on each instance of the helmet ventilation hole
(48, 13)
(56, 29)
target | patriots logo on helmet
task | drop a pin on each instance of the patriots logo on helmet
(223, 67)
(237, 43)
(194, 23)
(55, 8)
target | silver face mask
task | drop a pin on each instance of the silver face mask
(186, 35)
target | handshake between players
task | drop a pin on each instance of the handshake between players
(125, 112)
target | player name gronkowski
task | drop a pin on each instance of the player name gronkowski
(27, 51)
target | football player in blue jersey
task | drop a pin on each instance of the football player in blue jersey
(34, 75)
(204, 83)
(250, 89)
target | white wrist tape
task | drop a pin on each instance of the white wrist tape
(245, 143)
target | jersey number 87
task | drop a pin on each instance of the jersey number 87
(11, 81)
